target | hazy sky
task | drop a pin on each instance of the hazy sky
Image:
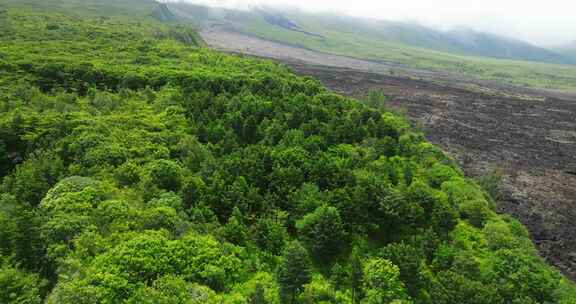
(545, 22)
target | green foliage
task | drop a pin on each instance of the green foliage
(269, 234)
(322, 231)
(470, 201)
(356, 274)
(235, 231)
(375, 99)
(319, 290)
(257, 297)
(149, 258)
(491, 181)
(20, 235)
(409, 259)
(33, 179)
(525, 276)
(137, 168)
(293, 271)
(454, 288)
(382, 282)
(162, 175)
(171, 290)
(17, 286)
(260, 289)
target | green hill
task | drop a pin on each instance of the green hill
(130, 8)
(464, 51)
(334, 31)
(140, 167)
(569, 50)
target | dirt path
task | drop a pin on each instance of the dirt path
(529, 133)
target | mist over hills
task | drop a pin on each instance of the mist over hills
(327, 30)
(569, 49)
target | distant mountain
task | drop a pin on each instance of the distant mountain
(345, 35)
(163, 13)
(471, 42)
(569, 50)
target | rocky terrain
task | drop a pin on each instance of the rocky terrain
(528, 134)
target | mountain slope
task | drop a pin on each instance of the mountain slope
(569, 50)
(326, 31)
(470, 42)
(366, 40)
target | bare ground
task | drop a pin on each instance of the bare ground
(529, 133)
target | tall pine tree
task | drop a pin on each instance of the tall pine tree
(293, 271)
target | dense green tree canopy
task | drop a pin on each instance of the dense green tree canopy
(140, 167)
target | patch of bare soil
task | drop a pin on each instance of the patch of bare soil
(530, 134)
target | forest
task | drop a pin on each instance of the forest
(139, 166)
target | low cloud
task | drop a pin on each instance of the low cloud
(548, 22)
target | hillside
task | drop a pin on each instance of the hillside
(128, 8)
(464, 51)
(140, 167)
(337, 31)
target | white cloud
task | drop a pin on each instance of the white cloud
(543, 22)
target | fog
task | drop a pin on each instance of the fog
(547, 23)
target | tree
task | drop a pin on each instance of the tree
(154, 260)
(169, 289)
(322, 231)
(66, 210)
(5, 163)
(33, 178)
(356, 274)
(293, 271)
(491, 181)
(235, 231)
(127, 174)
(17, 286)
(338, 276)
(524, 276)
(318, 290)
(163, 174)
(409, 260)
(382, 282)
(269, 234)
(306, 199)
(257, 296)
(450, 287)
